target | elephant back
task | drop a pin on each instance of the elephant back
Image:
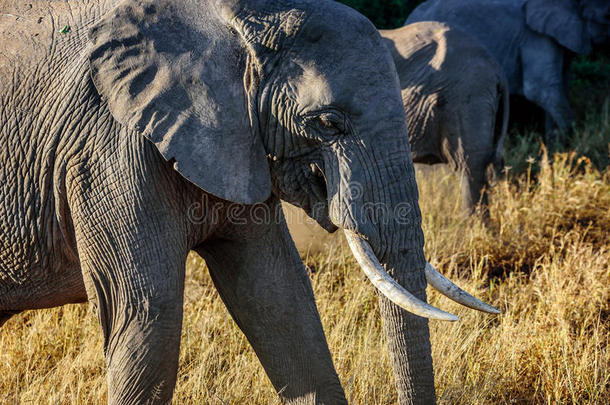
(496, 24)
(42, 40)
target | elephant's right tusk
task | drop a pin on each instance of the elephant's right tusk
(387, 285)
(447, 288)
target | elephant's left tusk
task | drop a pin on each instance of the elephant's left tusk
(447, 288)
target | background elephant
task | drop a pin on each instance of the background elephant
(451, 89)
(134, 131)
(529, 38)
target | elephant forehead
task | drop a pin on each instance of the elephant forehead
(351, 87)
(313, 89)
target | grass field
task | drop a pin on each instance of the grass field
(544, 260)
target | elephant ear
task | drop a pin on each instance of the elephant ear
(185, 81)
(559, 19)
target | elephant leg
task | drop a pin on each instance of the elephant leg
(132, 245)
(261, 279)
(472, 194)
(549, 128)
(137, 288)
(543, 83)
(474, 180)
(470, 159)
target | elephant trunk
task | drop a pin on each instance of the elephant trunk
(408, 340)
(407, 335)
(376, 204)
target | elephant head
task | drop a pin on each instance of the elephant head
(452, 106)
(298, 98)
(573, 24)
(596, 13)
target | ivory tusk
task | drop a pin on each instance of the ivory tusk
(447, 288)
(387, 285)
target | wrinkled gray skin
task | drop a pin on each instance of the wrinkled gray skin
(530, 39)
(452, 91)
(137, 134)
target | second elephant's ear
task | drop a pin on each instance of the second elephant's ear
(559, 19)
(185, 81)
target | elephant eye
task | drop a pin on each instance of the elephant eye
(328, 121)
(334, 121)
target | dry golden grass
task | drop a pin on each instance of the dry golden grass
(544, 260)
(548, 252)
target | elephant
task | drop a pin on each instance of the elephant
(531, 40)
(452, 90)
(135, 131)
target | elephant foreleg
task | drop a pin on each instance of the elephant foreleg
(132, 248)
(138, 291)
(543, 83)
(263, 283)
(474, 180)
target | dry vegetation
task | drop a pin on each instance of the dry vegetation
(544, 260)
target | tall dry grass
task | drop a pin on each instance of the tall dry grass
(544, 260)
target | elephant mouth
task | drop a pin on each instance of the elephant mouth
(400, 296)
(317, 204)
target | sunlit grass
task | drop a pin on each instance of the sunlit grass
(544, 260)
